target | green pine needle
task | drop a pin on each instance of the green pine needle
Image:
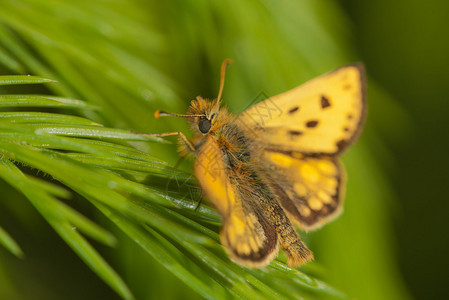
(9, 243)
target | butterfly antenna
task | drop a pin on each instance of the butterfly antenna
(160, 113)
(224, 65)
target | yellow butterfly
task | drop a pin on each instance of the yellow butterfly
(277, 163)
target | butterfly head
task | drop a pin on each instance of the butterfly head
(205, 115)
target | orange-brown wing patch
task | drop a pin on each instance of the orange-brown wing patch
(310, 189)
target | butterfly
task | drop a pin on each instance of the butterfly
(276, 165)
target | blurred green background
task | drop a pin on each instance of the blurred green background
(130, 58)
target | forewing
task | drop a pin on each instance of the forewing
(310, 189)
(322, 116)
(248, 237)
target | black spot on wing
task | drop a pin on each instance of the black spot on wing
(312, 123)
(295, 132)
(324, 102)
(293, 110)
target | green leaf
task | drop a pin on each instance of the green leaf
(59, 216)
(9, 243)
(42, 101)
(23, 79)
(41, 118)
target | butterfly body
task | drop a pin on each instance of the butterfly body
(277, 165)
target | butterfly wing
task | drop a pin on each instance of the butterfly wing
(249, 238)
(310, 189)
(298, 135)
(321, 117)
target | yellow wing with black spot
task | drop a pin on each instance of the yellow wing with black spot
(310, 189)
(248, 237)
(322, 116)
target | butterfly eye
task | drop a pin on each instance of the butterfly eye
(204, 125)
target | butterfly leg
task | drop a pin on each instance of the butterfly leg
(184, 139)
(200, 201)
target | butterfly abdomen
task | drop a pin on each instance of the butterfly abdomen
(255, 193)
